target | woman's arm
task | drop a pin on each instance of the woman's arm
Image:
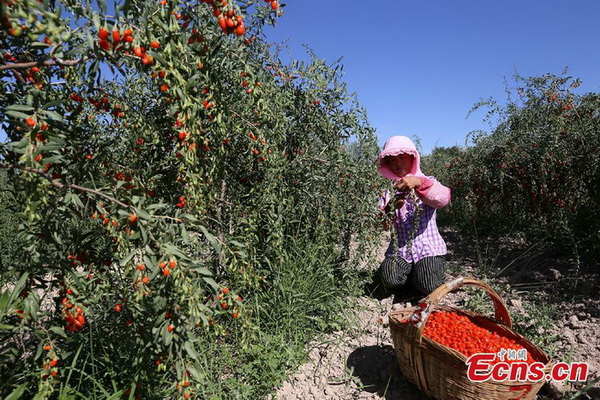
(433, 193)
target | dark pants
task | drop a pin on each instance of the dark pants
(425, 275)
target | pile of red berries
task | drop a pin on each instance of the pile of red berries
(73, 316)
(460, 333)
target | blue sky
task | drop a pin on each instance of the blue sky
(419, 66)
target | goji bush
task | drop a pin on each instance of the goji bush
(536, 174)
(161, 166)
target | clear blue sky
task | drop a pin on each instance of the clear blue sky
(419, 66)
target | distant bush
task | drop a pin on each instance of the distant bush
(537, 173)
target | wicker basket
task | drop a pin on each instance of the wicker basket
(441, 372)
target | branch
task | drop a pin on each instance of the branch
(60, 185)
(167, 217)
(243, 119)
(18, 76)
(39, 63)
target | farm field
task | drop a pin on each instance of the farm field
(185, 215)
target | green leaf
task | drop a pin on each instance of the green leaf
(18, 288)
(158, 57)
(94, 68)
(17, 393)
(241, 253)
(211, 282)
(160, 303)
(76, 200)
(170, 249)
(211, 239)
(53, 114)
(4, 301)
(20, 107)
(202, 271)
(32, 307)
(51, 146)
(39, 45)
(57, 238)
(89, 39)
(17, 114)
(143, 234)
(149, 251)
(236, 243)
(58, 331)
(158, 22)
(190, 217)
(192, 82)
(191, 351)
(53, 103)
(179, 92)
(39, 350)
(167, 337)
(102, 7)
(195, 374)
(149, 261)
(54, 159)
(143, 214)
(127, 258)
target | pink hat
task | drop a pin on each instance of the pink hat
(399, 145)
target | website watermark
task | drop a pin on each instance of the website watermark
(513, 365)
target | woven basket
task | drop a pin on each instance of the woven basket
(441, 372)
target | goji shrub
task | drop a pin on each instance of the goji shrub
(159, 157)
(536, 174)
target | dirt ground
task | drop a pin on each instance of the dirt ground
(360, 363)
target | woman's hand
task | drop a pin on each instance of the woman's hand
(406, 183)
(402, 186)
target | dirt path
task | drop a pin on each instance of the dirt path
(360, 363)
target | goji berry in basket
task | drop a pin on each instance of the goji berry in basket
(460, 333)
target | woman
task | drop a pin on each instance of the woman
(417, 251)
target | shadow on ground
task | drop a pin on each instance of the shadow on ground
(378, 372)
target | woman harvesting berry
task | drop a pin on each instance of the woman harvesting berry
(417, 249)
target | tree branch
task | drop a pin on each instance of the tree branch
(18, 76)
(39, 63)
(243, 119)
(60, 185)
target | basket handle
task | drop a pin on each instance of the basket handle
(430, 302)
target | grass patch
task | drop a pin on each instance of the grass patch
(303, 299)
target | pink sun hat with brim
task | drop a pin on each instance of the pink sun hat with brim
(400, 145)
